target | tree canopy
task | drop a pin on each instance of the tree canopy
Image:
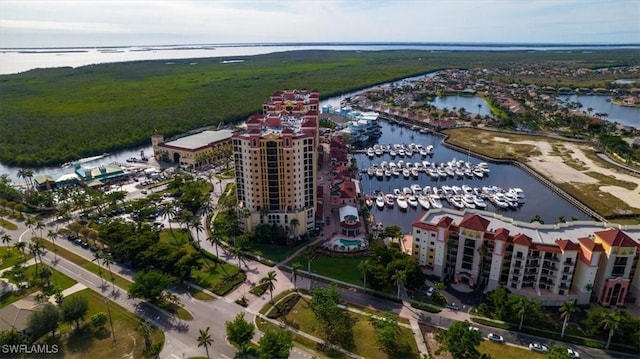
(275, 345)
(240, 331)
(150, 285)
(461, 341)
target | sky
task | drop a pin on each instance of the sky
(52, 23)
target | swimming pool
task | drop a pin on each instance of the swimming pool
(348, 242)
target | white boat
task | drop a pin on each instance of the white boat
(478, 173)
(433, 174)
(378, 152)
(379, 173)
(389, 199)
(518, 193)
(407, 191)
(393, 153)
(415, 189)
(371, 171)
(435, 201)
(406, 173)
(415, 173)
(384, 165)
(459, 173)
(467, 201)
(456, 201)
(397, 192)
(402, 202)
(387, 173)
(370, 152)
(380, 201)
(424, 201)
(426, 190)
(413, 201)
(499, 200)
(479, 202)
(369, 202)
(395, 172)
(467, 189)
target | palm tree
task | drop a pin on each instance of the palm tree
(108, 261)
(45, 273)
(97, 257)
(567, 308)
(145, 329)
(205, 340)
(196, 225)
(364, 267)
(295, 271)
(52, 235)
(20, 246)
(5, 240)
(269, 282)
(215, 241)
(168, 212)
(39, 227)
(611, 320)
(31, 222)
(398, 279)
(35, 249)
(522, 307)
(243, 351)
(589, 287)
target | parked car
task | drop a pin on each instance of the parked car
(537, 347)
(453, 306)
(471, 327)
(495, 338)
(430, 292)
(573, 354)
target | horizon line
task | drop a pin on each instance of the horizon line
(344, 43)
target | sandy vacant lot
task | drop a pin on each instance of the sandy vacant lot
(551, 164)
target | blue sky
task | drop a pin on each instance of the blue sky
(28, 23)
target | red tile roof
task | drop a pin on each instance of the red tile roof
(546, 247)
(567, 245)
(425, 226)
(445, 222)
(522, 239)
(589, 244)
(273, 122)
(474, 222)
(501, 234)
(617, 238)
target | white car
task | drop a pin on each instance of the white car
(495, 338)
(430, 292)
(573, 354)
(474, 328)
(537, 347)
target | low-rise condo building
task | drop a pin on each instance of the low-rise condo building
(580, 261)
(276, 159)
(194, 150)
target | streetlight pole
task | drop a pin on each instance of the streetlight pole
(113, 333)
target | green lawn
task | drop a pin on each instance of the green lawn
(98, 345)
(57, 279)
(302, 318)
(506, 351)
(341, 268)
(9, 256)
(177, 237)
(213, 275)
(7, 224)
(90, 266)
(276, 253)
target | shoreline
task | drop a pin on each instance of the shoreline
(554, 179)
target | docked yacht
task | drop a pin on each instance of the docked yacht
(424, 201)
(412, 200)
(467, 201)
(389, 199)
(415, 189)
(479, 202)
(402, 202)
(435, 201)
(406, 173)
(380, 201)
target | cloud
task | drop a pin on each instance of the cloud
(159, 21)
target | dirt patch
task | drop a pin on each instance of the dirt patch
(552, 163)
(429, 333)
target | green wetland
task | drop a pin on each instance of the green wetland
(51, 116)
